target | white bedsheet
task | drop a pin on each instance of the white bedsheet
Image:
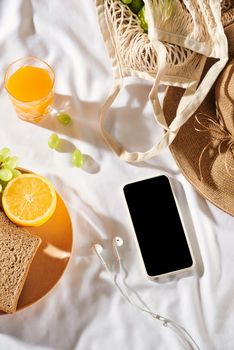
(85, 311)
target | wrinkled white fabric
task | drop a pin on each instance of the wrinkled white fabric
(85, 311)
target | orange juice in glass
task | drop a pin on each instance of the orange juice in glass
(30, 84)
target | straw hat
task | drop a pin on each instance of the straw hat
(204, 146)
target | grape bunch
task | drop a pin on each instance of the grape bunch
(8, 167)
(138, 7)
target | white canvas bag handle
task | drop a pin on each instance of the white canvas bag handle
(188, 105)
(157, 112)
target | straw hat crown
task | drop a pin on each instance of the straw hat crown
(204, 146)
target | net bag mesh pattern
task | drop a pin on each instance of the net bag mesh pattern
(173, 52)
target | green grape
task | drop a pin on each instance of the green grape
(0, 188)
(64, 118)
(143, 20)
(5, 174)
(53, 141)
(15, 172)
(7, 167)
(136, 5)
(77, 158)
(127, 2)
(4, 161)
(4, 153)
(11, 162)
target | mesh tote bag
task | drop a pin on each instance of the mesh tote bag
(182, 34)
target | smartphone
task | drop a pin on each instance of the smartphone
(160, 233)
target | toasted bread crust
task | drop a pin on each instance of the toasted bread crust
(17, 250)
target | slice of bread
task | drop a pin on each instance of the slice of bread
(17, 250)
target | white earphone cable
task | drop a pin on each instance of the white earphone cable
(124, 290)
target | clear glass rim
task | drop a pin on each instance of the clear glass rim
(25, 58)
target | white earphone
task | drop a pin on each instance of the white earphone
(98, 249)
(118, 242)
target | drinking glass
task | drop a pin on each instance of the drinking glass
(29, 83)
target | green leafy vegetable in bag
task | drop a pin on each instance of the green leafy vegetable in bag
(127, 2)
(138, 7)
(143, 20)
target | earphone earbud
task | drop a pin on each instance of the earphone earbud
(98, 248)
(118, 241)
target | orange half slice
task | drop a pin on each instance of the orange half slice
(29, 200)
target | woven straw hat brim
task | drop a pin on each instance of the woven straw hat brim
(201, 159)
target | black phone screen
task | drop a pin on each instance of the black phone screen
(157, 225)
